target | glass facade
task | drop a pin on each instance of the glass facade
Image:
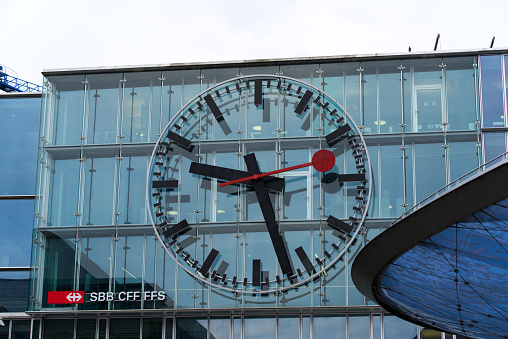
(19, 133)
(426, 121)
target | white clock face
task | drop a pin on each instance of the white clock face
(259, 184)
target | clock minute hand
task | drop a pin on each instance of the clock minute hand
(322, 160)
(269, 216)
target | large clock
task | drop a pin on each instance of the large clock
(259, 184)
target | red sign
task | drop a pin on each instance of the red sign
(66, 297)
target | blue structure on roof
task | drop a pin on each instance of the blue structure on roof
(9, 83)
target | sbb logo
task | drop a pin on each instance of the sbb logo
(66, 297)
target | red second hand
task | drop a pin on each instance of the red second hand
(323, 161)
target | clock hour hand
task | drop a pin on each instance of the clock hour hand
(270, 182)
(269, 216)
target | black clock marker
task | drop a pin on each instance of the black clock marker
(334, 137)
(258, 92)
(162, 184)
(208, 261)
(214, 108)
(176, 229)
(303, 103)
(269, 216)
(339, 225)
(256, 272)
(272, 183)
(351, 177)
(180, 141)
(222, 268)
(304, 259)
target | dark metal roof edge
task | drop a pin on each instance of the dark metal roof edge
(272, 62)
(17, 95)
(487, 188)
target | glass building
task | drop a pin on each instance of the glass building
(425, 120)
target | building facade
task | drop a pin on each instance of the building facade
(426, 119)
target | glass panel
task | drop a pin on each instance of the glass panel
(428, 109)
(19, 121)
(259, 328)
(20, 329)
(169, 328)
(68, 109)
(152, 328)
(227, 197)
(96, 265)
(132, 190)
(376, 324)
(58, 329)
(36, 329)
(330, 327)
(359, 327)
(396, 328)
(103, 105)
(16, 219)
(305, 327)
(137, 105)
(237, 328)
(85, 329)
(389, 102)
(492, 91)
(289, 328)
(375, 187)
(124, 328)
(460, 93)
(463, 158)
(220, 328)
(191, 328)
(102, 328)
(14, 291)
(129, 268)
(99, 191)
(4, 330)
(63, 195)
(429, 169)
(369, 85)
(59, 266)
(392, 181)
(352, 104)
(494, 144)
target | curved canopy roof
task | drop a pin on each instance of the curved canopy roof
(445, 265)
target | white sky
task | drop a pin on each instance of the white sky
(49, 34)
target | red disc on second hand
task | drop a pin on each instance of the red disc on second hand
(323, 160)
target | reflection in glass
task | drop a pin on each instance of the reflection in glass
(359, 327)
(58, 329)
(396, 328)
(85, 328)
(391, 184)
(330, 327)
(255, 328)
(429, 169)
(494, 144)
(389, 102)
(220, 328)
(132, 190)
(19, 126)
(191, 328)
(63, 195)
(492, 91)
(68, 103)
(99, 191)
(152, 328)
(289, 328)
(124, 328)
(460, 92)
(103, 104)
(428, 113)
(16, 218)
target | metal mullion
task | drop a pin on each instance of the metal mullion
(503, 79)
(378, 101)
(403, 147)
(477, 111)
(143, 273)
